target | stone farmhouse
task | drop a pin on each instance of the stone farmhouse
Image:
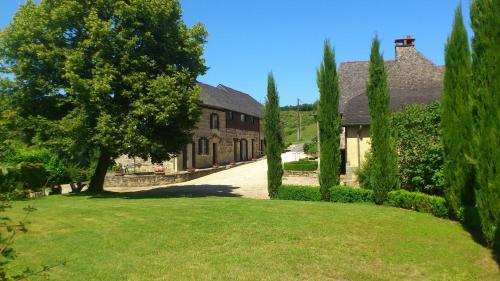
(413, 79)
(229, 130)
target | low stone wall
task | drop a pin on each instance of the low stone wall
(290, 173)
(154, 180)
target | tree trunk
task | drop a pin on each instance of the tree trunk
(97, 181)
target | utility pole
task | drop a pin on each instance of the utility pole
(298, 121)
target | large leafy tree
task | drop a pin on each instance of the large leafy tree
(274, 138)
(485, 18)
(457, 118)
(329, 122)
(105, 77)
(385, 169)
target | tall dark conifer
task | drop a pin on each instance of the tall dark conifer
(274, 140)
(385, 170)
(485, 18)
(456, 124)
(329, 122)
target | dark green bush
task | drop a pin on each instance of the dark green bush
(365, 172)
(33, 175)
(299, 193)
(351, 195)
(418, 201)
(301, 165)
(8, 180)
(311, 148)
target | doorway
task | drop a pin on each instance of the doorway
(193, 155)
(235, 150)
(185, 158)
(214, 153)
(243, 150)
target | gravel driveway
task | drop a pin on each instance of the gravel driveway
(248, 181)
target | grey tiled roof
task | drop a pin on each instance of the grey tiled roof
(413, 79)
(227, 98)
(357, 112)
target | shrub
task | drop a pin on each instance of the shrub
(351, 195)
(365, 173)
(418, 201)
(417, 134)
(299, 193)
(301, 165)
(311, 148)
(33, 175)
(8, 180)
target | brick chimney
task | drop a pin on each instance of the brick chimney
(402, 44)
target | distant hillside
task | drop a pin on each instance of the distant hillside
(289, 120)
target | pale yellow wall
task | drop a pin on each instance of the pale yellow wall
(355, 134)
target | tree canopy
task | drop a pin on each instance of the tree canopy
(385, 170)
(329, 122)
(274, 139)
(105, 77)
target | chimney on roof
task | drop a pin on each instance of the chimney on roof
(402, 44)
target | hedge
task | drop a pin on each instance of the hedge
(301, 165)
(351, 195)
(299, 193)
(418, 201)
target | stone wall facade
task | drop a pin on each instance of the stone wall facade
(225, 145)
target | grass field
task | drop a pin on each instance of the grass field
(289, 119)
(215, 238)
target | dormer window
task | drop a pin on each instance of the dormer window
(214, 121)
(243, 117)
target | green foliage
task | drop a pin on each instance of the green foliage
(302, 107)
(107, 77)
(418, 201)
(274, 141)
(365, 174)
(308, 126)
(33, 175)
(299, 193)
(485, 18)
(329, 121)
(351, 195)
(301, 165)
(457, 118)
(311, 148)
(385, 169)
(417, 136)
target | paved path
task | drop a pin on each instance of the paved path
(247, 180)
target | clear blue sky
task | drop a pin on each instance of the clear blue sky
(247, 39)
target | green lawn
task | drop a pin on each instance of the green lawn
(215, 238)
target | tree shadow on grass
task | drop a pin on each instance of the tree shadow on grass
(167, 192)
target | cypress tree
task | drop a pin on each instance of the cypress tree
(456, 121)
(329, 122)
(485, 18)
(274, 140)
(385, 170)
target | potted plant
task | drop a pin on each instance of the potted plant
(215, 165)
(232, 163)
(119, 171)
(159, 170)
